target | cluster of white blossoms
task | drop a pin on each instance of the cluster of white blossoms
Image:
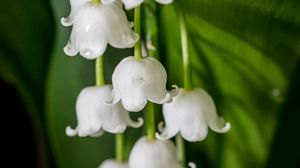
(106, 108)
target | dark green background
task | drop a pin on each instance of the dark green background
(245, 53)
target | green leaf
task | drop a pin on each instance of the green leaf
(243, 55)
(26, 35)
(285, 150)
(26, 41)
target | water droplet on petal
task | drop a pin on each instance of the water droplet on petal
(86, 53)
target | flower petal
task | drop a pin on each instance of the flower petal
(156, 89)
(111, 163)
(89, 33)
(70, 49)
(192, 165)
(66, 21)
(94, 116)
(169, 96)
(194, 131)
(215, 123)
(98, 134)
(167, 132)
(130, 4)
(105, 2)
(136, 81)
(218, 125)
(75, 6)
(71, 132)
(119, 31)
(164, 1)
(129, 84)
(134, 102)
(153, 154)
(114, 98)
(115, 118)
(135, 124)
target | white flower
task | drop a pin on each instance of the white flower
(95, 116)
(191, 113)
(153, 154)
(136, 81)
(95, 26)
(129, 4)
(110, 163)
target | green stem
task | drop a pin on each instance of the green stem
(119, 144)
(120, 147)
(180, 149)
(119, 138)
(137, 29)
(99, 67)
(151, 36)
(185, 53)
(187, 78)
(150, 121)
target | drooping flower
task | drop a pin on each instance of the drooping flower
(111, 163)
(95, 26)
(191, 113)
(130, 4)
(136, 81)
(154, 154)
(94, 116)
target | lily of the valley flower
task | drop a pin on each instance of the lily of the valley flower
(191, 113)
(136, 81)
(110, 163)
(154, 154)
(129, 4)
(95, 116)
(95, 26)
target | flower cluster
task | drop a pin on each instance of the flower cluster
(106, 108)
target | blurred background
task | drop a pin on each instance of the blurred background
(245, 53)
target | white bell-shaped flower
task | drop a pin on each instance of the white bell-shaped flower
(153, 154)
(95, 26)
(136, 81)
(111, 163)
(191, 113)
(130, 4)
(94, 116)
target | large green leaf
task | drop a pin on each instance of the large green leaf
(26, 35)
(26, 41)
(244, 56)
(243, 53)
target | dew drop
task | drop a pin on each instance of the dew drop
(276, 92)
